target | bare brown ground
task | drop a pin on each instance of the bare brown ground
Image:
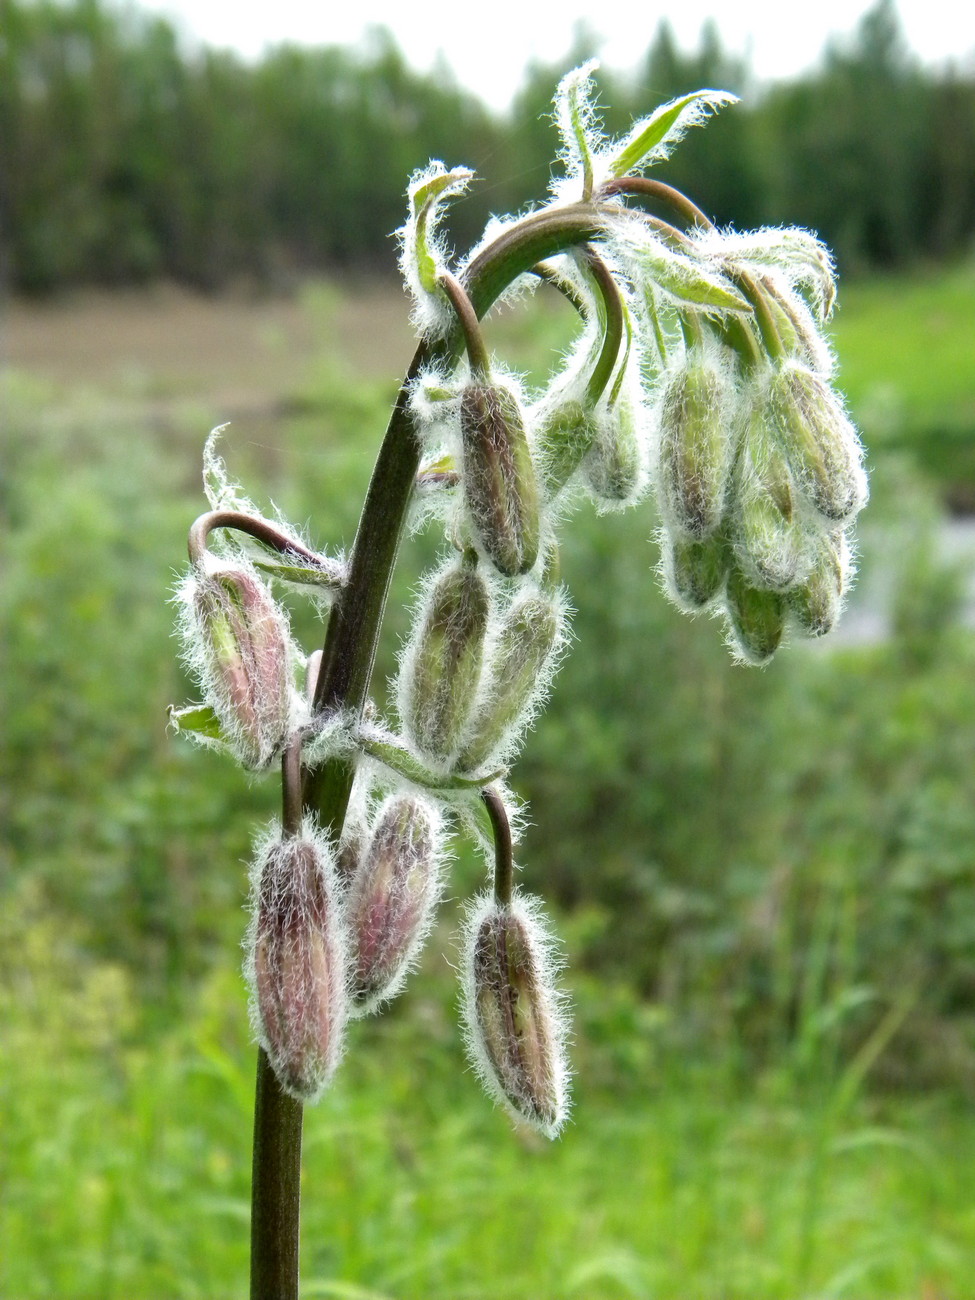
(246, 352)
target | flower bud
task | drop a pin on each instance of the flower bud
(511, 1009)
(564, 436)
(771, 541)
(614, 468)
(296, 966)
(440, 674)
(695, 571)
(695, 449)
(818, 440)
(499, 478)
(241, 653)
(816, 603)
(756, 618)
(519, 673)
(391, 899)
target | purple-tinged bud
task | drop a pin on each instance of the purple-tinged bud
(518, 674)
(564, 436)
(819, 442)
(441, 671)
(515, 1025)
(296, 964)
(815, 604)
(614, 467)
(241, 653)
(391, 900)
(772, 543)
(695, 449)
(695, 572)
(499, 478)
(756, 619)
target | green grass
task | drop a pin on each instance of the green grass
(696, 1166)
(906, 349)
(126, 1157)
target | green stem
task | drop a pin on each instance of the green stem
(504, 867)
(258, 528)
(276, 1189)
(613, 332)
(477, 353)
(663, 193)
(767, 327)
(343, 682)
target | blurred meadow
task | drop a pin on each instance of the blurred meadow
(765, 880)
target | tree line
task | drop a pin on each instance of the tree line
(127, 156)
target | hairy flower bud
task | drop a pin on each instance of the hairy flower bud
(614, 468)
(499, 478)
(296, 963)
(391, 899)
(695, 449)
(771, 540)
(816, 603)
(441, 671)
(519, 673)
(239, 649)
(695, 571)
(757, 619)
(564, 436)
(818, 440)
(514, 1023)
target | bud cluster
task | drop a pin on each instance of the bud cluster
(759, 476)
(477, 665)
(701, 374)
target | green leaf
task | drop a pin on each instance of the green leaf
(688, 282)
(651, 140)
(573, 106)
(394, 755)
(293, 570)
(197, 720)
(425, 196)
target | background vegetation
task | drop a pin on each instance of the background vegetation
(128, 156)
(764, 879)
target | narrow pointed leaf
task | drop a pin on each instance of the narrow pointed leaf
(387, 750)
(295, 569)
(652, 139)
(685, 281)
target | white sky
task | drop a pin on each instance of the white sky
(488, 44)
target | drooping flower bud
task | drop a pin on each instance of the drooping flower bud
(772, 544)
(515, 1027)
(816, 603)
(441, 669)
(500, 487)
(695, 448)
(296, 963)
(614, 467)
(564, 436)
(819, 442)
(238, 646)
(695, 572)
(756, 619)
(518, 674)
(391, 899)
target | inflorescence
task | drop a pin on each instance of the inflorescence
(700, 377)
